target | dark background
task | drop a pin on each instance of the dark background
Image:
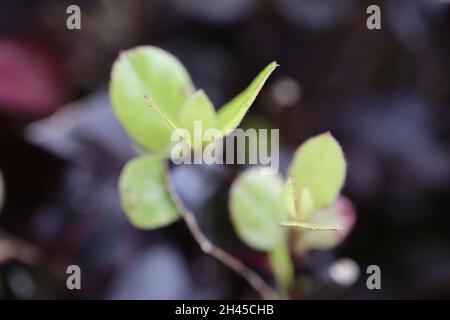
(384, 94)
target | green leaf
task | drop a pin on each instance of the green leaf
(340, 214)
(156, 73)
(289, 197)
(320, 166)
(2, 191)
(300, 205)
(257, 209)
(144, 193)
(232, 113)
(306, 204)
(198, 108)
(169, 123)
(303, 208)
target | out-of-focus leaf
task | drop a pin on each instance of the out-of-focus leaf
(144, 193)
(198, 108)
(306, 204)
(164, 118)
(300, 205)
(232, 113)
(156, 73)
(304, 208)
(289, 197)
(340, 214)
(320, 166)
(257, 209)
(33, 82)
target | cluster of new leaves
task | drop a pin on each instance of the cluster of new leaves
(160, 77)
(264, 208)
(153, 95)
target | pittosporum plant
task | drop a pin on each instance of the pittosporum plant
(153, 95)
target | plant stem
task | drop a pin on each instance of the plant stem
(283, 270)
(264, 289)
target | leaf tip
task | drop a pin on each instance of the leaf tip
(326, 134)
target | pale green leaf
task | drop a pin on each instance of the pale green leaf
(232, 113)
(164, 117)
(144, 193)
(300, 204)
(257, 209)
(167, 121)
(289, 197)
(320, 166)
(306, 204)
(340, 214)
(156, 73)
(198, 110)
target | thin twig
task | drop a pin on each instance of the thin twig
(264, 289)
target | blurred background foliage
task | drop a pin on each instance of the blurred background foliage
(384, 94)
